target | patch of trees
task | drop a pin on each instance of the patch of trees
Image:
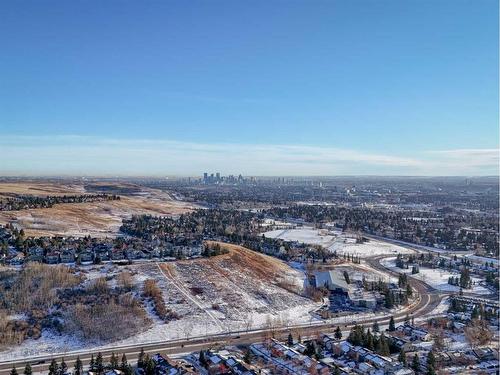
(23, 202)
(463, 281)
(378, 343)
(392, 297)
(423, 227)
(213, 249)
(33, 292)
(237, 227)
(110, 317)
(153, 292)
(54, 298)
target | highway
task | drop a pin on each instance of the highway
(428, 299)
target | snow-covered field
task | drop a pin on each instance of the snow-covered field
(209, 297)
(305, 235)
(437, 278)
(337, 241)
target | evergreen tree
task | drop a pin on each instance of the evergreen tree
(27, 369)
(309, 351)
(140, 359)
(202, 359)
(127, 370)
(92, 363)
(375, 327)
(384, 346)
(113, 361)
(290, 339)
(63, 368)
(402, 357)
(78, 367)
(415, 364)
(392, 325)
(338, 333)
(346, 277)
(150, 365)
(53, 367)
(369, 340)
(431, 363)
(248, 357)
(124, 362)
(409, 291)
(389, 300)
(376, 344)
(13, 371)
(99, 365)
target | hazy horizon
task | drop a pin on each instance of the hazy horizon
(328, 88)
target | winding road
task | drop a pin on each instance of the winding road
(427, 301)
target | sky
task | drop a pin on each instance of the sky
(276, 87)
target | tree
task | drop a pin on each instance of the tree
(113, 361)
(439, 343)
(124, 365)
(27, 369)
(13, 371)
(99, 365)
(431, 363)
(290, 339)
(63, 368)
(369, 340)
(384, 346)
(346, 277)
(309, 350)
(477, 333)
(465, 279)
(78, 367)
(409, 291)
(124, 362)
(389, 300)
(375, 327)
(202, 359)
(356, 336)
(140, 359)
(248, 357)
(53, 367)
(392, 325)
(338, 333)
(92, 363)
(149, 365)
(402, 357)
(415, 364)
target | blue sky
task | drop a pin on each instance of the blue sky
(256, 87)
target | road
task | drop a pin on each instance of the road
(427, 301)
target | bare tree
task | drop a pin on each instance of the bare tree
(477, 333)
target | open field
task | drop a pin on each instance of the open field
(40, 189)
(97, 219)
(437, 278)
(239, 290)
(337, 241)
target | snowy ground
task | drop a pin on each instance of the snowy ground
(305, 235)
(482, 260)
(337, 241)
(437, 278)
(230, 300)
